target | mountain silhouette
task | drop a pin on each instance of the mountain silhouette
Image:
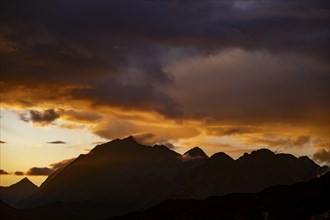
(303, 201)
(18, 191)
(220, 174)
(122, 176)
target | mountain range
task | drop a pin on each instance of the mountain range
(303, 201)
(124, 176)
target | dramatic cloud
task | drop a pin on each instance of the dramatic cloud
(277, 25)
(322, 156)
(56, 142)
(131, 94)
(125, 66)
(3, 142)
(3, 172)
(19, 173)
(39, 171)
(171, 70)
(241, 87)
(40, 117)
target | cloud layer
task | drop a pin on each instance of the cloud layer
(39, 171)
(171, 70)
(56, 142)
(46, 171)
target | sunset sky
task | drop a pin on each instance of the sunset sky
(229, 76)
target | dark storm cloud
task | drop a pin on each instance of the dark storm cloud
(3, 172)
(40, 117)
(39, 171)
(106, 32)
(104, 44)
(181, 22)
(131, 95)
(253, 87)
(56, 142)
(3, 142)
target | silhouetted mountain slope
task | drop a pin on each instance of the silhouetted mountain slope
(299, 201)
(18, 191)
(122, 173)
(123, 176)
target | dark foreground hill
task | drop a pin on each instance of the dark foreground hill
(122, 176)
(18, 191)
(303, 201)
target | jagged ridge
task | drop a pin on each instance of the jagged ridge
(127, 176)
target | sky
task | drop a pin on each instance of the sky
(230, 76)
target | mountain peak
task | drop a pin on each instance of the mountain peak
(116, 144)
(263, 152)
(25, 182)
(129, 139)
(17, 191)
(195, 152)
(25, 179)
(221, 156)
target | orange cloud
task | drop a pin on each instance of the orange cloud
(79, 116)
(288, 142)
